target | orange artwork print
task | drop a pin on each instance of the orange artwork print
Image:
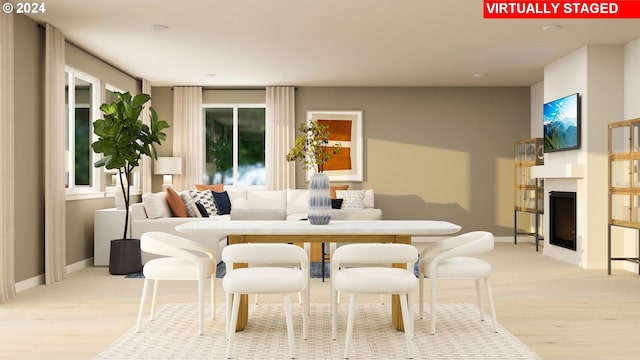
(339, 131)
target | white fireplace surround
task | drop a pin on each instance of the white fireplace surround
(563, 177)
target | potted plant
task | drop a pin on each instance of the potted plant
(122, 140)
(313, 150)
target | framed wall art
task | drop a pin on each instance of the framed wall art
(345, 128)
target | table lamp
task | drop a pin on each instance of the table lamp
(167, 167)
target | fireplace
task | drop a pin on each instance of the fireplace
(562, 219)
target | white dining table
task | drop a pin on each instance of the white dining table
(302, 232)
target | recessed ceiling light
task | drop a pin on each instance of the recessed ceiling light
(479, 75)
(551, 27)
(159, 27)
(210, 75)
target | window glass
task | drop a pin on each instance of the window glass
(234, 143)
(251, 146)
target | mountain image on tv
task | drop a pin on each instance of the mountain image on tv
(561, 124)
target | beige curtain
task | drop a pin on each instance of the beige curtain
(188, 136)
(145, 164)
(54, 199)
(279, 137)
(7, 161)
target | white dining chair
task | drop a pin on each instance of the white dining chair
(183, 259)
(266, 280)
(451, 259)
(368, 273)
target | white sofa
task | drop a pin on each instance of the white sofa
(154, 213)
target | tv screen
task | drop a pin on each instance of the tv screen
(562, 124)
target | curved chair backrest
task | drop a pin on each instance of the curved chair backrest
(272, 253)
(160, 243)
(373, 253)
(475, 242)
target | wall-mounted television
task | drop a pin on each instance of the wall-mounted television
(562, 124)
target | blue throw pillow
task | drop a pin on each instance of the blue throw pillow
(223, 203)
(336, 203)
(202, 209)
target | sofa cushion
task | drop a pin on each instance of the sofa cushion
(297, 201)
(202, 210)
(206, 199)
(214, 187)
(176, 204)
(190, 204)
(223, 203)
(258, 214)
(156, 205)
(353, 199)
(332, 190)
(266, 199)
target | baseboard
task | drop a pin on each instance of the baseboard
(39, 280)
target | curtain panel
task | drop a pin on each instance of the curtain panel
(54, 220)
(279, 137)
(7, 161)
(188, 136)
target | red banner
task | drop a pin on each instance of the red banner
(579, 9)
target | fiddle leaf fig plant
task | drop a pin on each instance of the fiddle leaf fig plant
(123, 139)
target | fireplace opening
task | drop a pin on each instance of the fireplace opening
(562, 219)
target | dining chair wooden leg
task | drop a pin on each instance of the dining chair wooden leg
(350, 321)
(143, 301)
(289, 319)
(213, 296)
(233, 321)
(153, 299)
(433, 305)
(479, 296)
(201, 306)
(492, 308)
(407, 322)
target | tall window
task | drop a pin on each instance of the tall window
(234, 144)
(82, 103)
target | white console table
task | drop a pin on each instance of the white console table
(108, 224)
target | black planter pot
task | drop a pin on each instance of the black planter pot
(125, 257)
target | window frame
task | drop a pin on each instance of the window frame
(73, 191)
(235, 137)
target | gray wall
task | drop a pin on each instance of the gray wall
(435, 153)
(29, 148)
(29, 140)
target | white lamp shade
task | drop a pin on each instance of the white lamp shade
(168, 166)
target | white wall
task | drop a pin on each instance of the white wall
(608, 79)
(537, 100)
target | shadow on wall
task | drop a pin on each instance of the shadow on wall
(413, 207)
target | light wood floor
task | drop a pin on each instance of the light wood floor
(559, 310)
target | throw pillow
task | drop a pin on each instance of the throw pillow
(223, 203)
(175, 203)
(190, 204)
(214, 187)
(206, 199)
(333, 190)
(155, 205)
(353, 199)
(202, 210)
(336, 203)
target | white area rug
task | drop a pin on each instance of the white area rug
(460, 335)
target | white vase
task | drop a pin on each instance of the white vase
(319, 200)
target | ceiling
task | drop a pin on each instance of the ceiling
(229, 43)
